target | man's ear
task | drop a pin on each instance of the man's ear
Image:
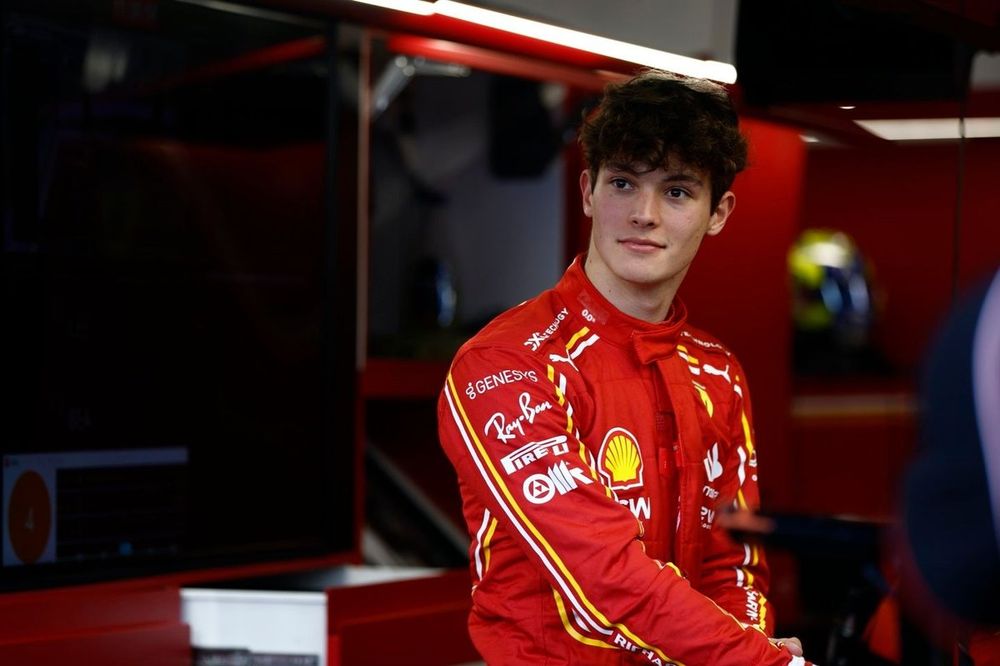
(586, 192)
(721, 213)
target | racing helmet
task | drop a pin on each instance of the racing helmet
(831, 288)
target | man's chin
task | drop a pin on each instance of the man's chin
(642, 279)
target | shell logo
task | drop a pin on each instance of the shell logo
(620, 460)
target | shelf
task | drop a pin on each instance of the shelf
(113, 624)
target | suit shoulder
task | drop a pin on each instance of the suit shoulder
(710, 349)
(524, 328)
(704, 342)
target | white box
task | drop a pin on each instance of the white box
(277, 621)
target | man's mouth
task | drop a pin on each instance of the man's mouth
(641, 244)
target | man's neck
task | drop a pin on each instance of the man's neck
(648, 303)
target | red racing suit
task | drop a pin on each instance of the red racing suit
(593, 452)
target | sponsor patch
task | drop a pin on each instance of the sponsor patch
(713, 468)
(753, 607)
(620, 460)
(556, 358)
(534, 451)
(507, 429)
(501, 378)
(705, 343)
(651, 656)
(560, 479)
(639, 506)
(707, 516)
(538, 337)
(712, 370)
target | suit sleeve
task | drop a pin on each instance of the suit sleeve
(735, 573)
(516, 445)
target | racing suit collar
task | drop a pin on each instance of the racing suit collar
(651, 341)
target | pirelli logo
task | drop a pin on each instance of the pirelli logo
(532, 451)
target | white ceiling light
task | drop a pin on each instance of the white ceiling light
(610, 48)
(923, 129)
(410, 6)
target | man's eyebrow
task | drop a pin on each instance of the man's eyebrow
(624, 168)
(683, 177)
(687, 177)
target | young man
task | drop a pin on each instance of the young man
(596, 434)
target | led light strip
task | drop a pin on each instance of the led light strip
(410, 6)
(923, 129)
(611, 48)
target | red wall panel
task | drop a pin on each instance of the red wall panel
(979, 248)
(851, 466)
(899, 204)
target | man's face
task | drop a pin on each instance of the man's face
(648, 224)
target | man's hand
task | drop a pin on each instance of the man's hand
(792, 644)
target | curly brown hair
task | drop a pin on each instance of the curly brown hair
(658, 115)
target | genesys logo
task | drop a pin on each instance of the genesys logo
(501, 378)
(534, 451)
(560, 479)
(620, 460)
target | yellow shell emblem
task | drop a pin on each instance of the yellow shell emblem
(620, 461)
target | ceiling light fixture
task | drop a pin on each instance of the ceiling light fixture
(929, 129)
(409, 6)
(610, 48)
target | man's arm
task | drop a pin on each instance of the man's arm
(517, 447)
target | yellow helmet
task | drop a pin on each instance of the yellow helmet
(830, 286)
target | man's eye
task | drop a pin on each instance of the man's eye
(676, 192)
(619, 183)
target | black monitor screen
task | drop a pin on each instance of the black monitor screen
(177, 339)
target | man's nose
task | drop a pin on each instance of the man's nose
(644, 214)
